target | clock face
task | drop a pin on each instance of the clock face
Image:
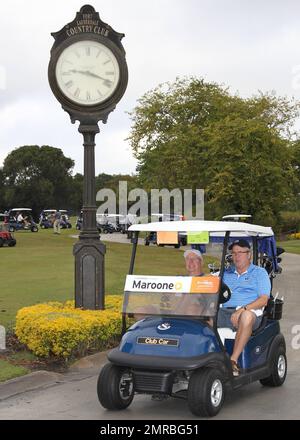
(87, 72)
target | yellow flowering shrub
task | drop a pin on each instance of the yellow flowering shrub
(61, 330)
(295, 236)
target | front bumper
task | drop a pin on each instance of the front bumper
(165, 363)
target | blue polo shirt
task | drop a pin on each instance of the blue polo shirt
(247, 287)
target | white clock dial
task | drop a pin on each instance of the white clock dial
(87, 72)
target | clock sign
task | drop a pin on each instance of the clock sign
(87, 69)
(88, 75)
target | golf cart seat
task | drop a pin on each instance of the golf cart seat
(226, 333)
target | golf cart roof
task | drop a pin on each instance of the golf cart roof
(163, 215)
(54, 210)
(236, 216)
(216, 228)
(21, 209)
(114, 215)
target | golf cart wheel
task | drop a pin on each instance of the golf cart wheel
(115, 387)
(11, 229)
(11, 243)
(1, 242)
(206, 392)
(34, 228)
(278, 368)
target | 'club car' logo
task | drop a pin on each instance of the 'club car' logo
(164, 326)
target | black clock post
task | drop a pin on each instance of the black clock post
(88, 75)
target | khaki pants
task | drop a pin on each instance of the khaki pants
(56, 226)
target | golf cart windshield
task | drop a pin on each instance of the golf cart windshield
(186, 295)
(174, 296)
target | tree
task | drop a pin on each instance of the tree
(294, 203)
(112, 181)
(193, 134)
(37, 177)
(1, 191)
(76, 194)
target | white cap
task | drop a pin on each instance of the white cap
(194, 251)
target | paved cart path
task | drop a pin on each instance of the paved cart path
(73, 395)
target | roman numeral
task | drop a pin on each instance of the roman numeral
(109, 73)
(106, 62)
(88, 51)
(69, 84)
(88, 96)
(77, 92)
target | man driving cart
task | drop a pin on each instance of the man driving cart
(250, 290)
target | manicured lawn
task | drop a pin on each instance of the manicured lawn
(292, 246)
(40, 268)
(9, 371)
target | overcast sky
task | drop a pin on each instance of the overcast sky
(248, 45)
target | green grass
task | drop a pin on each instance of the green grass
(9, 371)
(40, 268)
(292, 246)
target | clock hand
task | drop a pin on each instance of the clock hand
(88, 73)
(107, 82)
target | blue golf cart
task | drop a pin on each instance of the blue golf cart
(172, 350)
(26, 223)
(47, 219)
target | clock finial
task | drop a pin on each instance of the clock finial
(87, 9)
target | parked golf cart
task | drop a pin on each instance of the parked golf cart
(114, 222)
(47, 219)
(65, 221)
(6, 237)
(79, 223)
(173, 351)
(27, 224)
(130, 219)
